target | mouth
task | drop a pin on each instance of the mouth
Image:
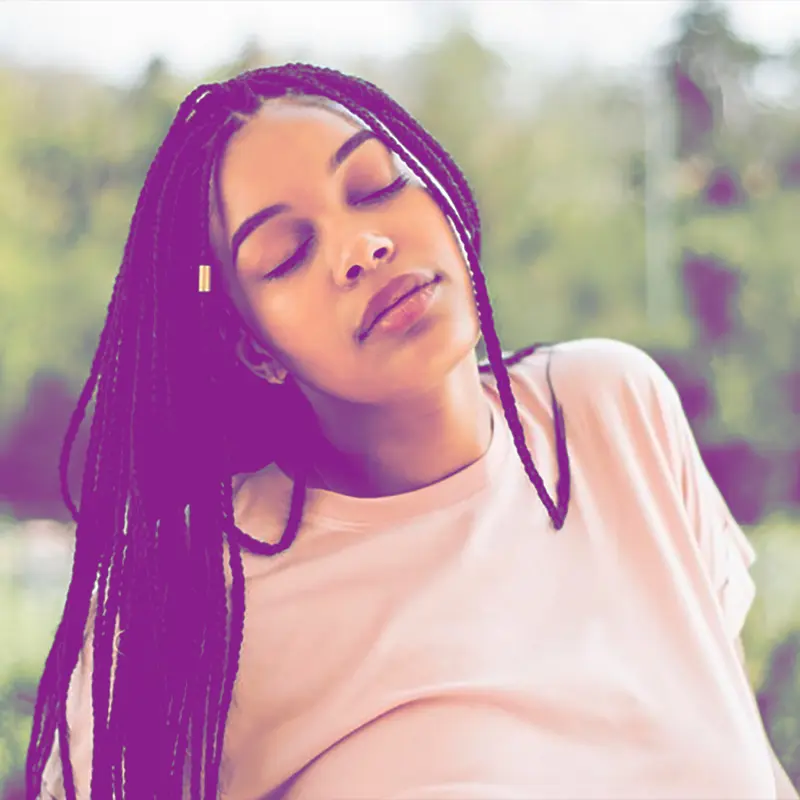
(378, 307)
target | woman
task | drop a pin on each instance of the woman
(306, 436)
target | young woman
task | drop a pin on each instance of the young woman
(315, 551)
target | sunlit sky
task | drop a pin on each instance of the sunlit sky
(114, 38)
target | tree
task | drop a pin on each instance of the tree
(711, 70)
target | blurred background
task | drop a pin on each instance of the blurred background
(637, 167)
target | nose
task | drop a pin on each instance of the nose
(371, 250)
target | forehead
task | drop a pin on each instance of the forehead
(287, 133)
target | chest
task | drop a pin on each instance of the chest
(554, 630)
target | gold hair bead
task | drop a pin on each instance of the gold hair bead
(205, 278)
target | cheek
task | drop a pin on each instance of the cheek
(445, 238)
(450, 255)
(456, 243)
(301, 328)
(285, 321)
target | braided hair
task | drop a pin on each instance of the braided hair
(166, 439)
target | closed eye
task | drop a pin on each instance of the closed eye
(391, 189)
(376, 197)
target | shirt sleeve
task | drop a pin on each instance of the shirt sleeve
(725, 550)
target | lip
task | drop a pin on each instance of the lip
(388, 295)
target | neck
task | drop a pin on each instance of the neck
(385, 451)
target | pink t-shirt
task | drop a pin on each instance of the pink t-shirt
(447, 643)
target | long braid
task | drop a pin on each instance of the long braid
(185, 376)
(156, 549)
(204, 521)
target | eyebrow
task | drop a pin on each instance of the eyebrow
(266, 214)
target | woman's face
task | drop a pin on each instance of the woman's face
(308, 312)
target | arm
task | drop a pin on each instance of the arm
(724, 548)
(784, 788)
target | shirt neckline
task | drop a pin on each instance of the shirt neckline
(325, 506)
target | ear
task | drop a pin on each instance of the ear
(259, 361)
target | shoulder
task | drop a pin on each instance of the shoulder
(598, 369)
(611, 393)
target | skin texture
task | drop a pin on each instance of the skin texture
(397, 412)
